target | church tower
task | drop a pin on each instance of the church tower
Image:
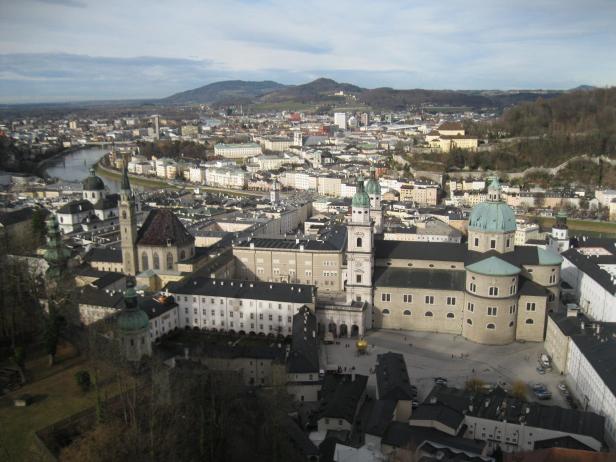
(373, 189)
(275, 193)
(56, 255)
(360, 248)
(559, 238)
(133, 326)
(128, 226)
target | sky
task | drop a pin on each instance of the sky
(71, 50)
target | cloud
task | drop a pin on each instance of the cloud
(69, 3)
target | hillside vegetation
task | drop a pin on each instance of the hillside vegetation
(547, 133)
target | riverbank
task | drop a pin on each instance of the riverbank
(110, 173)
(138, 180)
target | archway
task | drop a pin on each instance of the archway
(332, 328)
(354, 330)
(344, 330)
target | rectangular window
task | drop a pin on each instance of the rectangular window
(493, 291)
(472, 287)
(476, 242)
(492, 243)
(385, 297)
(270, 317)
(491, 311)
(260, 315)
(451, 300)
(530, 306)
(430, 299)
(213, 312)
(408, 298)
(358, 278)
(471, 307)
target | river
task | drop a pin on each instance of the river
(76, 165)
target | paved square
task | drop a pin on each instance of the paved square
(429, 355)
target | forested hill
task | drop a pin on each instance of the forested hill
(576, 112)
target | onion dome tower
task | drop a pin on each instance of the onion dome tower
(93, 187)
(133, 326)
(373, 189)
(56, 254)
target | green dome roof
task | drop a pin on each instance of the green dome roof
(93, 182)
(372, 186)
(361, 199)
(493, 266)
(493, 217)
(132, 318)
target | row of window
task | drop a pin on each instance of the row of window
(408, 298)
(241, 314)
(240, 325)
(492, 310)
(428, 314)
(492, 291)
(238, 302)
(493, 243)
(493, 326)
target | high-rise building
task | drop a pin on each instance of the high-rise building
(365, 119)
(340, 120)
(156, 122)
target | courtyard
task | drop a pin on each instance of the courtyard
(429, 355)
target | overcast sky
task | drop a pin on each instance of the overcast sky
(61, 50)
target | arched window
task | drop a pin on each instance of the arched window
(428, 314)
(407, 312)
(469, 322)
(169, 261)
(450, 315)
(124, 214)
(156, 261)
(511, 324)
(359, 242)
(490, 326)
(144, 262)
(530, 321)
(385, 311)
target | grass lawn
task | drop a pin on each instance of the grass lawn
(604, 228)
(56, 396)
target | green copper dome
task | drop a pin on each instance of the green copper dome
(132, 318)
(93, 182)
(493, 266)
(361, 199)
(373, 188)
(492, 216)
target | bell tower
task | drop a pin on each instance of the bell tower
(128, 226)
(360, 246)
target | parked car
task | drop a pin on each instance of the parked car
(562, 386)
(543, 395)
(538, 386)
(541, 370)
(440, 380)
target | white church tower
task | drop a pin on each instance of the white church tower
(559, 238)
(360, 248)
(373, 189)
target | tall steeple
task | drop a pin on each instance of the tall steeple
(128, 226)
(133, 326)
(360, 246)
(56, 254)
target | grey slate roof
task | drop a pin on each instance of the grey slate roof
(107, 255)
(590, 266)
(341, 395)
(75, 207)
(18, 216)
(440, 413)
(439, 251)
(380, 415)
(497, 405)
(392, 378)
(304, 354)
(333, 239)
(401, 434)
(419, 278)
(281, 292)
(531, 288)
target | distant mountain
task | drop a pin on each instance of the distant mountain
(328, 92)
(230, 91)
(583, 88)
(315, 91)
